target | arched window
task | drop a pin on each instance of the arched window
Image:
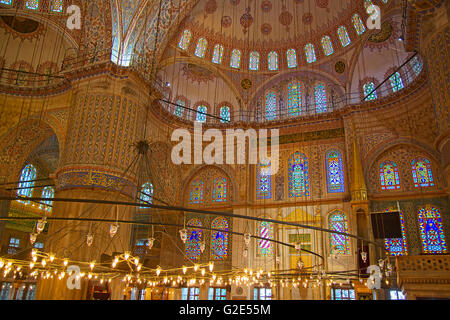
(32, 4)
(235, 61)
(195, 235)
(219, 239)
(201, 47)
(201, 113)
(219, 190)
(339, 244)
(389, 176)
(421, 171)
(369, 87)
(298, 175)
(320, 97)
(357, 23)
(291, 58)
(343, 36)
(254, 61)
(225, 114)
(273, 61)
(416, 65)
(146, 194)
(271, 106)
(57, 6)
(47, 193)
(294, 98)
(432, 234)
(335, 172)
(327, 45)
(310, 53)
(217, 55)
(396, 82)
(179, 110)
(263, 182)
(265, 247)
(196, 191)
(397, 246)
(26, 182)
(185, 39)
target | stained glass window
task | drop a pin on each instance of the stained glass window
(343, 36)
(298, 175)
(291, 58)
(195, 235)
(294, 98)
(369, 87)
(26, 184)
(47, 193)
(421, 171)
(327, 45)
(201, 47)
(225, 114)
(320, 97)
(263, 182)
(357, 23)
(219, 190)
(265, 231)
(389, 176)
(397, 246)
(57, 5)
(271, 106)
(146, 194)
(8, 2)
(339, 244)
(235, 61)
(416, 65)
(217, 55)
(273, 61)
(219, 239)
(310, 53)
(396, 82)
(185, 39)
(335, 172)
(196, 191)
(179, 110)
(431, 232)
(254, 61)
(201, 113)
(32, 4)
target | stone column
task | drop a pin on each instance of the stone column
(105, 119)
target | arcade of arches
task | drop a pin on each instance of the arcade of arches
(94, 205)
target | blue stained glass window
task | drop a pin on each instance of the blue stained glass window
(57, 6)
(327, 45)
(201, 113)
(263, 182)
(8, 2)
(335, 172)
(369, 87)
(146, 194)
(219, 239)
(357, 23)
(201, 47)
(396, 82)
(294, 98)
(343, 36)
(310, 53)
(254, 61)
(416, 65)
(32, 4)
(196, 191)
(431, 231)
(320, 98)
(225, 114)
(195, 235)
(421, 171)
(26, 184)
(217, 55)
(185, 39)
(397, 246)
(235, 60)
(265, 231)
(47, 193)
(179, 110)
(298, 175)
(339, 244)
(220, 190)
(271, 106)
(291, 58)
(389, 176)
(273, 61)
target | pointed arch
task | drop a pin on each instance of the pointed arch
(343, 36)
(26, 182)
(219, 239)
(47, 193)
(217, 54)
(389, 177)
(235, 61)
(201, 47)
(271, 105)
(310, 53)
(254, 61)
(327, 45)
(335, 171)
(265, 231)
(294, 98)
(291, 56)
(298, 175)
(195, 236)
(431, 231)
(273, 61)
(196, 192)
(219, 190)
(263, 180)
(339, 244)
(422, 174)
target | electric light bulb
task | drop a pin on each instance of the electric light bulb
(43, 262)
(195, 267)
(52, 257)
(92, 265)
(126, 255)
(184, 270)
(139, 267)
(136, 261)
(158, 271)
(211, 266)
(34, 259)
(65, 262)
(203, 272)
(31, 265)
